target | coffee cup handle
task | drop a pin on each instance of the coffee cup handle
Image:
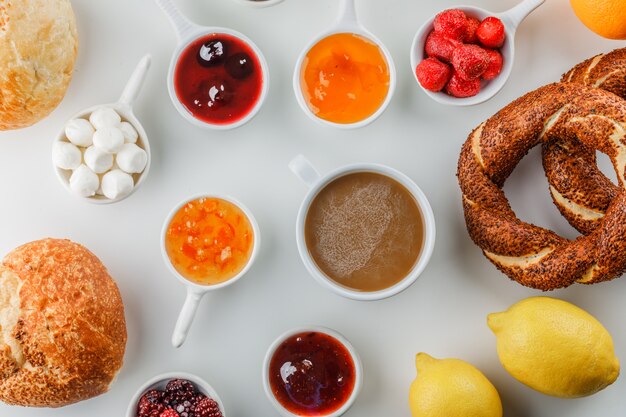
(186, 317)
(304, 170)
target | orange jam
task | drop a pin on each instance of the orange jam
(209, 241)
(344, 78)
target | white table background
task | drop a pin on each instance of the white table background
(443, 314)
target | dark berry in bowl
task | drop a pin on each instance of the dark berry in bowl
(207, 408)
(239, 66)
(180, 398)
(212, 53)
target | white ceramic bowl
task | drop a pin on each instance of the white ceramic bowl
(511, 20)
(160, 381)
(259, 4)
(307, 173)
(358, 382)
(188, 32)
(195, 292)
(124, 108)
(347, 23)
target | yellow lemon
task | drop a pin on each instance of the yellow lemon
(451, 388)
(607, 18)
(555, 347)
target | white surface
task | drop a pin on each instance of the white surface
(442, 314)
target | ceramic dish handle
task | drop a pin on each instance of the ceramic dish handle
(517, 14)
(182, 25)
(304, 170)
(186, 317)
(133, 86)
(347, 13)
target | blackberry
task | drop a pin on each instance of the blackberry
(176, 385)
(184, 409)
(149, 409)
(178, 391)
(153, 396)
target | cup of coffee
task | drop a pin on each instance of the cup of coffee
(364, 231)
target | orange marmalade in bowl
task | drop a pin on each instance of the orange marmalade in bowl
(209, 240)
(345, 78)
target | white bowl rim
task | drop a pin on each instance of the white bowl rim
(423, 258)
(201, 385)
(507, 51)
(359, 30)
(196, 33)
(198, 288)
(259, 4)
(127, 113)
(356, 359)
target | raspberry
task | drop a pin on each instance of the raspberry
(460, 87)
(433, 74)
(207, 408)
(451, 23)
(441, 47)
(470, 61)
(169, 413)
(495, 65)
(491, 32)
(472, 25)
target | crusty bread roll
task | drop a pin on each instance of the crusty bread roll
(62, 326)
(38, 45)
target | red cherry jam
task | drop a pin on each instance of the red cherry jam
(218, 79)
(312, 374)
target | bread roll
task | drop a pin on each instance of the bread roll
(38, 45)
(62, 326)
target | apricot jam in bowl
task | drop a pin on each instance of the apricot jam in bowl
(344, 80)
(312, 371)
(210, 240)
(218, 80)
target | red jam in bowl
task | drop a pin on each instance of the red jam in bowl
(312, 374)
(218, 79)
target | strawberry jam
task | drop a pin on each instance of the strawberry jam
(312, 374)
(218, 79)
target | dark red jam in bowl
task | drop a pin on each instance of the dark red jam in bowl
(218, 79)
(312, 374)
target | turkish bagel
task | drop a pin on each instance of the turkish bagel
(571, 119)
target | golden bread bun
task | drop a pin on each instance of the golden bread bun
(38, 45)
(62, 326)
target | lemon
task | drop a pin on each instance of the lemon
(607, 18)
(555, 347)
(451, 388)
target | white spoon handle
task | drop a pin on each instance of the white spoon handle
(182, 25)
(186, 317)
(517, 14)
(133, 86)
(347, 13)
(304, 170)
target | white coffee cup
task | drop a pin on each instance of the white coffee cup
(303, 169)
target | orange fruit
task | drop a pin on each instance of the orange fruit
(607, 18)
